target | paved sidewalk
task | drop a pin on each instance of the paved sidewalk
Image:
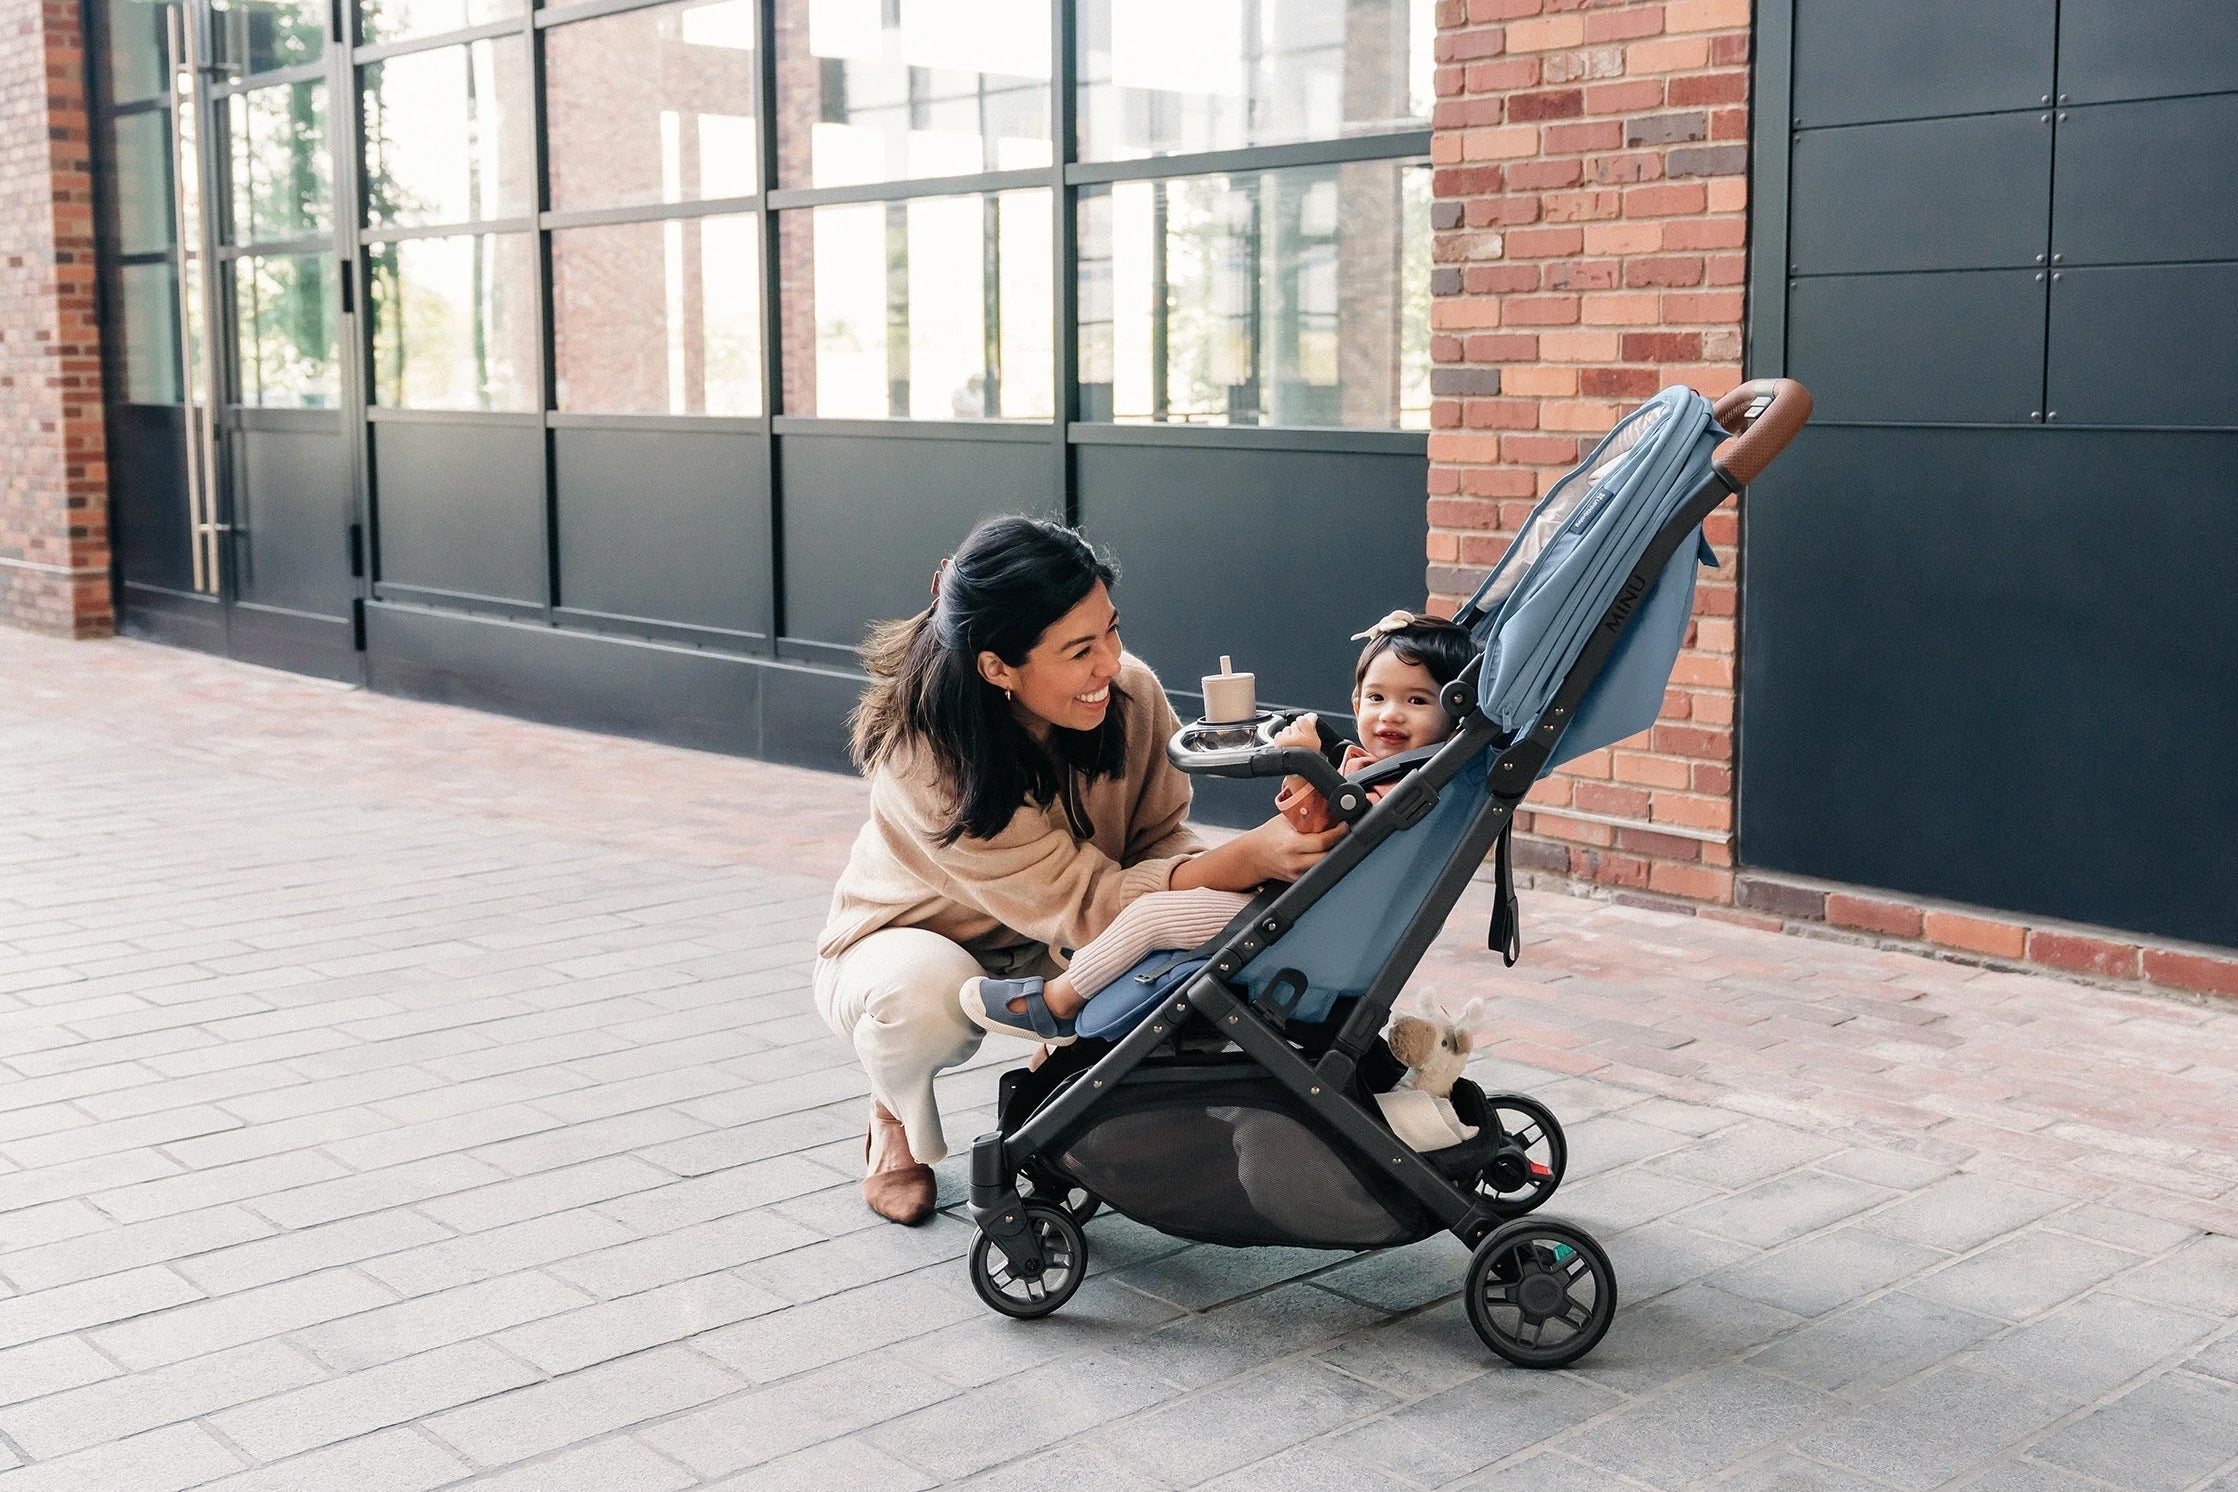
(394, 1097)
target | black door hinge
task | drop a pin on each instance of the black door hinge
(357, 551)
(349, 288)
(357, 623)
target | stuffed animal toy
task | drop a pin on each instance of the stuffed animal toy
(1434, 1051)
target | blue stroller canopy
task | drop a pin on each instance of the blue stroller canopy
(1565, 568)
(1540, 605)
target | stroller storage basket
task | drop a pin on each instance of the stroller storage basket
(1223, 1153)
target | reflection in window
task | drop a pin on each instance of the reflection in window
(284, 331)
(447, 135)
(281, 186)
(936, 308)
(675, 124)
(882, 90)
(139, 49)
(454, 322)
(1293, 297)
(140, 154)
(393, 20)
(259, 35)
(149, 300)
(1167, 77)
(658, 318)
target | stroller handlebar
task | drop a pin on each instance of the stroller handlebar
(1763, 416)
(1246, 749)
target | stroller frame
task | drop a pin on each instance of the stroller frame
(1762, 417)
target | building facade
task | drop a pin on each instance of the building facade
(617, 362)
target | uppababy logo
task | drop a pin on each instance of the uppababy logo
(1621, 608)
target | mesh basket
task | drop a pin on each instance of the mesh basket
(1225, 1154)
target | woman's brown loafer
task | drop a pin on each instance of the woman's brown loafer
(896, 1185)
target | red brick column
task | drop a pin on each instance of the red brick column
(1591, 214)
(54, 499)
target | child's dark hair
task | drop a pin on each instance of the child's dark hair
(1429, 642)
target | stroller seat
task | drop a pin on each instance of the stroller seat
(1228, 1093)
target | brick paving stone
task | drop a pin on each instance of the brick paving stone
(466, 1067)
(116, 1407)
(386, 1461)
(2162, 1436)
(2026, 1274)
(170, 1336)
(603, 1466)
(397, 1393)
(1701, 1425)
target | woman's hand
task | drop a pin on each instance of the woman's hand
(1275, 851)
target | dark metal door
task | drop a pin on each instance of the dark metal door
(282, 193)
(261, 94)
(1988, 644)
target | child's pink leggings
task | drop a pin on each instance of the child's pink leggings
(1161, 919)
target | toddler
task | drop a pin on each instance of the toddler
(1396, 686)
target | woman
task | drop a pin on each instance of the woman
(1019, 797)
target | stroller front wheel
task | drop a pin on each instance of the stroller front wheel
(1541, 1292)
(1064, 1259)
(1045, 1185)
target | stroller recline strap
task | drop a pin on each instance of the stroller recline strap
(1505, 936)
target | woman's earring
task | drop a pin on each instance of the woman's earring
(1008, 698)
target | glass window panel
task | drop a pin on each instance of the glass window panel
(284, 308)
(447, 135)
(394, 20)
(1167, 77)
(883, 90)
(676, 124)
(282, 177)
(139, 49)
(259, 35)
(149, 299)
(1293, 297)
(454, 322)
(140, 146)
(658, 318)
(937, 308)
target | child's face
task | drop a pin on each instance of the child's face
(1397, 703)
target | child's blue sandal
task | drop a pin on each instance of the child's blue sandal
(987, 1002)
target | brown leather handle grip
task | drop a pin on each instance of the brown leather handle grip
(1763, 415)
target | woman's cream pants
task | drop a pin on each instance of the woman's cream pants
(893, 998)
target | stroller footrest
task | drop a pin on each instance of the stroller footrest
(1120, 1006)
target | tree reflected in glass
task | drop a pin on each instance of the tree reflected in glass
(282, 185)
(1167, 77)
(1292, 297)
(454, 322)
(284, 331)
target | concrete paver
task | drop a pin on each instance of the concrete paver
(396, 1097)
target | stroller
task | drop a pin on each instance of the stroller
(1226, 1093)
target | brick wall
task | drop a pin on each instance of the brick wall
(1591, 214)
(54, 532)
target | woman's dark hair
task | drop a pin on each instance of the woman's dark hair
(1010, 580)
(1429, 642)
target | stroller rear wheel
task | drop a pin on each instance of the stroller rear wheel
(1064, 1258)
(1528, 1166)
(1541, 1293)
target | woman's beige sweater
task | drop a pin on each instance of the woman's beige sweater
(1034, 882)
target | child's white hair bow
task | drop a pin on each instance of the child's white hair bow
(1391, 622)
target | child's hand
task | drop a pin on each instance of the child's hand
(1303, 731)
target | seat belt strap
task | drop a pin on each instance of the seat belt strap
(1505, 937)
